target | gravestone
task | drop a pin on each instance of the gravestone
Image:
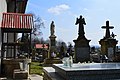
(70, 50)
(108, 43)
(52, 50)
(62, 51)
(82, 48)
(110, 53)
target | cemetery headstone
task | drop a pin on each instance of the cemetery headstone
(108, 43)
(62, 51)
(82, 48)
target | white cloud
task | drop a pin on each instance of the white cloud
(85, 9)
(58, 9)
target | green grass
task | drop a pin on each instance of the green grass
(36, 68)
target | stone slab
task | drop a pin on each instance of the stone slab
(49, 62)
(35, 77)
(89, 71)
(49, 74)
(18, 74)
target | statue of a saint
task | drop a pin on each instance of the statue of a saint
(52, 28)
(81, 22)
(113, 35)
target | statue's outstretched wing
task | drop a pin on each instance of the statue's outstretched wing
(84, 21)
(76, 21)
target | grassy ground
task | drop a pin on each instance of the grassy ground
(36, 68)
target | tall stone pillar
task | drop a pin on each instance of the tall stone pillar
(52, 46)
(52, 59)
(82, 48)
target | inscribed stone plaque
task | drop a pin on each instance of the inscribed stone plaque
(110, 53)
(82, 54)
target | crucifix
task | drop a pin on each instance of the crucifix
(107, 27)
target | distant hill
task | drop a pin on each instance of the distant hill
(96, 46)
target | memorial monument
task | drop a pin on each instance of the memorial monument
(52, 41)
(52, 50)
(108, 43)
(62, 51)
(82, 48)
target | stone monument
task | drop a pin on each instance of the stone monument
(52, 40)
(62, 51)
(82, 48)
(52, 50)
(108, 43)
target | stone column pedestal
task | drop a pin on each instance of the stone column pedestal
(52, 60)
(82, 50)
(108, 47)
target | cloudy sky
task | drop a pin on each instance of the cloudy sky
(65, 12)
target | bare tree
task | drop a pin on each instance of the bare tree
(38, 24)
(36, 31)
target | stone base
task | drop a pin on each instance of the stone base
(50, 74)
(9, 65)
(50, 61)
(82, 50)
(107, 43)
(82, 54)
(20, 74)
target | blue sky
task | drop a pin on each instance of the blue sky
(65, 12)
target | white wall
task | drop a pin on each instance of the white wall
(3, 8)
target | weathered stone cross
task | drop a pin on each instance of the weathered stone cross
(107, 27)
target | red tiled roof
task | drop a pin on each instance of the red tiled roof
(17, 20)
(41, 46)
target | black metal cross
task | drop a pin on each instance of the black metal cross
(107, 27)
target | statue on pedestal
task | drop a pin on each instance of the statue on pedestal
(52, 40)
(81, 22)
(82, 47)
(52, 28)
(52, 54)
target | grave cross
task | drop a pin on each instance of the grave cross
(107, 27)
(70, 46)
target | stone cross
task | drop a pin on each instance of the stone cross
(70, 46)
(107, 27)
